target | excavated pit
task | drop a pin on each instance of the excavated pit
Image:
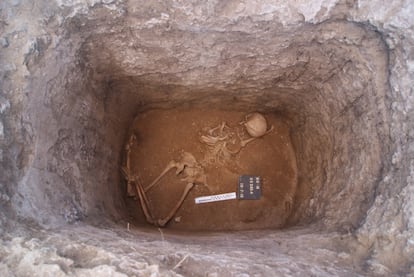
(325, 88)
(327, 82)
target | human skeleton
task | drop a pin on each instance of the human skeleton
(217, 139)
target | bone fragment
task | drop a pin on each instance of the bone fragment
(163, 222)
(219, 127)
(245, 142)
(211, 140)
(126, 170)
(187, 160)
(145, 205)
(171, 165)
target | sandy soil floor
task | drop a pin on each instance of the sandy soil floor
(164, 135)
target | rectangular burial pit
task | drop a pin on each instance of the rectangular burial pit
(211, 149)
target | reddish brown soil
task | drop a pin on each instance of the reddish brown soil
(162, 135)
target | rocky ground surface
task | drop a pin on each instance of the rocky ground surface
(84, 250)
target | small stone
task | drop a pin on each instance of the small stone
(4, 197)
(15, 2)
(4, 104)
(177, 219)
(4, 42)
(1, 130)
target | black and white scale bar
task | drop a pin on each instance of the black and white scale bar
(215, 198)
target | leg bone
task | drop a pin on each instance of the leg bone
(187, 159)
(145, 205)
(126, 170)
(170, 166)
(163, 222)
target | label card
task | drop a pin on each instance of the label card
(249, 187)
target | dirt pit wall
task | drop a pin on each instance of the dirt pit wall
(325, 89)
